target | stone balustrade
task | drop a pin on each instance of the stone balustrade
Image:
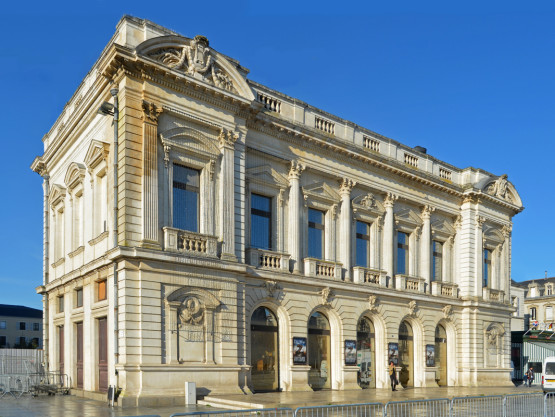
(410, 283)
(362, 275)
(445, 289)
(176, 240)
(269, 260)
(493, 296)
(322, 269)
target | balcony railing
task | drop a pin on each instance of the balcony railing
(269, 260)
(362, 275)
(410, 283)
(493, 296)
(177, 240)
(322, 269)
(445, 289)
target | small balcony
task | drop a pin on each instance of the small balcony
(268, 260)
(409, 283)
(370, 276)
(445, 289)
(177, 240)
(322, 269)
(493, 296)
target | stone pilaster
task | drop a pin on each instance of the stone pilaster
(425, 245)
(479, 254)
(506, 260)
(227, 141)
(346, 226)
(388, 238)
(151, 112)
(295, 214)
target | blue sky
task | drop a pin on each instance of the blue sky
(471, 81)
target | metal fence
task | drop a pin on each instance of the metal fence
(343, 410)
(487, 406)
(260, 412)
(21, 361)
(418, 408)
(524, 405)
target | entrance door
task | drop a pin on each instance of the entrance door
(79, 364)
(264, 351)
(366, 354)
(441, 355)
(61, 349)
(103, 355)
(406, 355)
(319, 352)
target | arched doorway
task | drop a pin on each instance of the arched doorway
(319, 351)
(441, 355)
(366, 353)
(406, 355)
(264, 350)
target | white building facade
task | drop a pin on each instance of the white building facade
(258, 243)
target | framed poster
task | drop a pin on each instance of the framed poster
(299, 351)
(350, 352)
(393, 353)
(430, 355)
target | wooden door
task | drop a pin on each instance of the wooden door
(79, 365)
(103, 355)
(61, 349)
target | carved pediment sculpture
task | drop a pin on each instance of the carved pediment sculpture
(191, 311)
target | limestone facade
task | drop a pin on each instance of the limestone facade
(357, 228)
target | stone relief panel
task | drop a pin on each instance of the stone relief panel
(493, 343)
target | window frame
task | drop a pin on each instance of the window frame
(78, 299)
(60, 308)
(366, 238)
(406, 248)
(3, 324)
(98, 285)
(322, 227)
(270, 215)
(190, 188)
(487, 272)
(36, 327)
(22, 326)
(437, 259)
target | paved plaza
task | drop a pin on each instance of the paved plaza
(71, 406)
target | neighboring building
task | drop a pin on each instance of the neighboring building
(260, 243)
(518, 297)
(20, 327)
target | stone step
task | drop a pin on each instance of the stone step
(229, 404)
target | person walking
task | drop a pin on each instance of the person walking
(392, 376)
(530, 376)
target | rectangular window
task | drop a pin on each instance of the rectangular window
(3, 324)
(59, 234)
(186, 189)
(61, 304)
(79, 297)
(261, 222)
(549, 290)
(402, 253)
(362, 244)
(437, 261)
(36, 327)
(22, 342)
(101, 290)
(315, 234)
(486, 278)
(549, 314)
(22, 325)
(533, 313)
(77, 221)
(3, 342)
(100, 205)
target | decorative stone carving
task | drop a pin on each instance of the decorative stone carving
(373, 302)
(151, 111)
(227, 138)
(327, 295)
(368, 201)
(281, 197)
(480, 221)
(427, 212)
(493, 335)
(458, 222)
(212, 169)
(447, 312)
(347, 186)
(413, 308)
(334, 211)
(271, 288)
(296, 170)
(499, 187)
(506, 231)
(191, 311)
(390, 199)
(167, 149)
(196, 60)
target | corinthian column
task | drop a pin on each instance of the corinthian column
(227, 188)
(479, 254)
(388, 230)
(425, 245)
(345, 239)
(150, 175)
(295, 214)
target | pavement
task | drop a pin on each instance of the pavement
(72, 406)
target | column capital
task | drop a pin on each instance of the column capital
(480, 221)
(296, 170)
(346, 186)
(227, 138)
(427, 212)
(389, 200)
(151, 112)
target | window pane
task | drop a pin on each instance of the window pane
(437, 260)
(402, 252)
(487, 268)
(362, 244)
(185, 198)
(101, 290)
(261, 217)
(315, 234)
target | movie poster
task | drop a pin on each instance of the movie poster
(430, 355)
(393, 353)
(350, 352)
(299, 351)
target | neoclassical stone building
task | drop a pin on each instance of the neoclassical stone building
(236, 237)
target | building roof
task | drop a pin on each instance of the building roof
(19, 311)
(540, 282)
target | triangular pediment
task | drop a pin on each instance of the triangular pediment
(407, 215)
(190, 139)
(98, 151)
(57, 195)
(75, 175)
(266, 174)
(322, 191)
(195, 59)
(368, 201)
(442, 225)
